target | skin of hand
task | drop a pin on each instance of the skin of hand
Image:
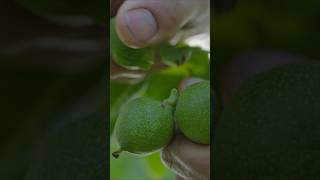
(146, 22)
(190, 161)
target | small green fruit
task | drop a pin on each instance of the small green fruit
(193, 112)
(145, 125)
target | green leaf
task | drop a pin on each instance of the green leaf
(76, 150)
(128, 57)
(159, 84)
(174, 55)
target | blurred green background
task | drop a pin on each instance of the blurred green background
(134, 167)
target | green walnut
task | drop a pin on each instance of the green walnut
(145, 125)
(193, 112)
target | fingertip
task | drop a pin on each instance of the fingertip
(124, 34)
(136, 27)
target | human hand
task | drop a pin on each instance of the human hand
(144, 22)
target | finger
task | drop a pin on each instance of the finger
(145, 22)
(190, 153)
(187, 159)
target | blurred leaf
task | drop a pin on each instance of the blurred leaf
(174, 55)
(127, 166)
(155, 165)
(128, 57)
(76, 150)
(133, 167)
(159, 84)
(71, 10)
(199, 64)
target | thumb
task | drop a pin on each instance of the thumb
(145, 22)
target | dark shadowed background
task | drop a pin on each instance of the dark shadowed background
(53, 95)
